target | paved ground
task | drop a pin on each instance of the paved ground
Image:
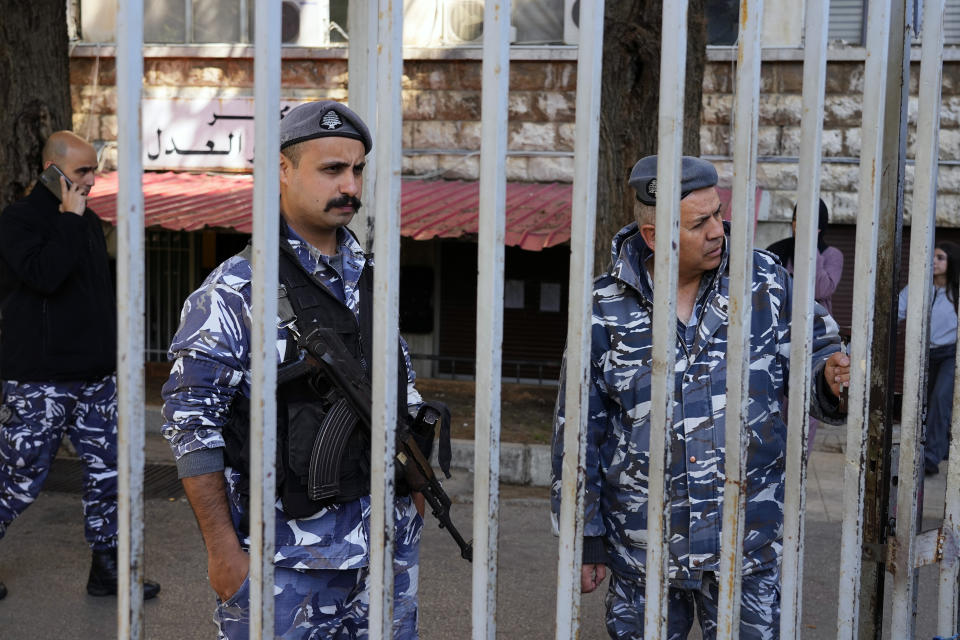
(44, 561)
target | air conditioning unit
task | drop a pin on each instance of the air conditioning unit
(463, 21)
(305, 22)
(571, 21)
(431, 23)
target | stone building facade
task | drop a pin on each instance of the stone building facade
(441, 131)
(441, 112)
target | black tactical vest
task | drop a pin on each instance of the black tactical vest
(301, 407)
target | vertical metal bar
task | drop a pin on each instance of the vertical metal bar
(743, 203)
(493, 202)
(188, 21)
(922, 227)
(673, 76)
(877, 463)
(130, 330)
(801, 333)
(875, 92)
(362, 82)
(948, 618)
(386, 244)
(579, 312)
(263, 370)
(244, 21)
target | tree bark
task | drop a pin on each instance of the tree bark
(630, 102)
(35, 71)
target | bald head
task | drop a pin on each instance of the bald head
(75, 157)
(60, 144)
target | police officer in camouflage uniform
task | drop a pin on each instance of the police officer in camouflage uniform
(322, 553)
(618, 427)
(58, 352)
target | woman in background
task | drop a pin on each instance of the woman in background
(943, 349)
(829, 260)
(829, 269)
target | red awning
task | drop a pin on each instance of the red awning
(538, 214)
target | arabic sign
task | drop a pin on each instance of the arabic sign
(200, 133)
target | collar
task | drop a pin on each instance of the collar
(347, 246)
(630, 255)
(41, 197)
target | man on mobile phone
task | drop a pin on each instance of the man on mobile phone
(58, 351)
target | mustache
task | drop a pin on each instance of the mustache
(344, 201)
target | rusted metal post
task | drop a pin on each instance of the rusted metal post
(922, 228)
(882, 374)
(801, 331)
(583, 225)
(743, 203)
(673, 63)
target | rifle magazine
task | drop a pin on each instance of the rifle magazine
(328, 449)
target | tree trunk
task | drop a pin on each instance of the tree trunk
(629, 104)
(35, 69)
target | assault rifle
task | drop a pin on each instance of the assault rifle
(327, 358)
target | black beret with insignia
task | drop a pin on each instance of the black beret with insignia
(320, 119)
(695, 173)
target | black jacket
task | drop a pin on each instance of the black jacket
(58, 309)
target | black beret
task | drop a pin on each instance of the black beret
(320, 119)
(695, 174)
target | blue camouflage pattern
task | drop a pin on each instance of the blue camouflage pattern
(759, 607)
(43, 412)
(211, 350)
(618, 427)
(322, 604)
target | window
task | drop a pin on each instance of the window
(305, 22)
(550, 293)
(427, 23)
(438, 23)
(513, 294)
(847, 21)
(722, 22)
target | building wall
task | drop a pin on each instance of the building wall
(441, 103)
(779, 135)
(441, 129)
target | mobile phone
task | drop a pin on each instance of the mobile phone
(50, 178)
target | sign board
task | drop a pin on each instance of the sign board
(213, 134)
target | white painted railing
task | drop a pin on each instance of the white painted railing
(376, 54)
(263, 350)
(130, 329)
(801, 322)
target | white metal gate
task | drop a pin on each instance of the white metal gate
(376, 68)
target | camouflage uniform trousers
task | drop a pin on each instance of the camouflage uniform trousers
(44, 411)
(324, 604)
(759, 607)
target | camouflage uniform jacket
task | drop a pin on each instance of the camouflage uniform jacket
(618, 429)
(212, 363)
